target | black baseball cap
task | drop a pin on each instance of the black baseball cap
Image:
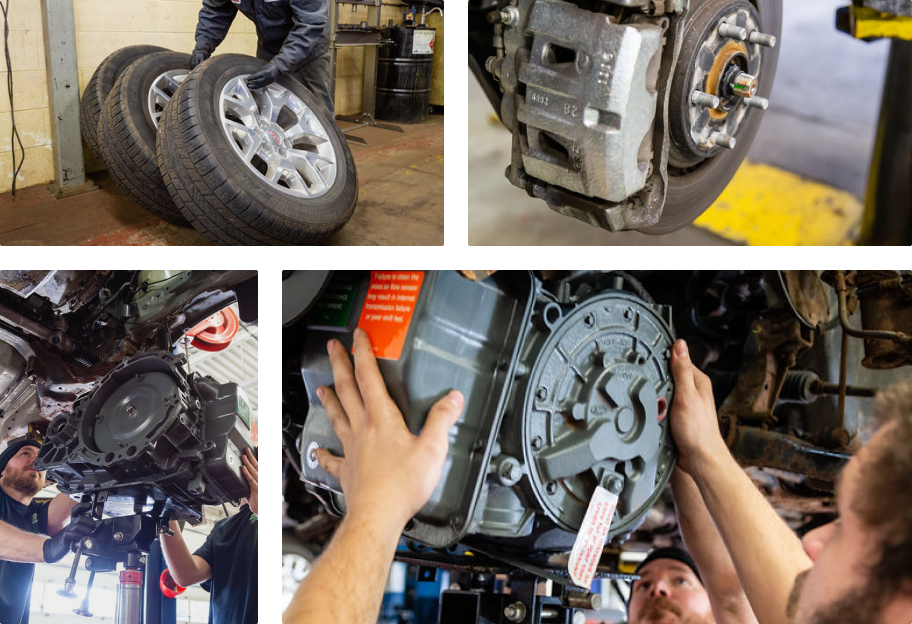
(672, 552)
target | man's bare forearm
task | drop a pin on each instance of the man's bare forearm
(184, 568)
(766, 553)
(362, 548)
(18, 545)
(727, 597)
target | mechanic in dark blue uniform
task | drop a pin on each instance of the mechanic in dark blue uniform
(293, 35)
(25, 525)
(227, 560)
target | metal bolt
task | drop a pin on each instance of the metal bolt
(732, 32)
(705, 99)
(118, 537)
(582, 60)
(515, 612)
(551, 487)
(757, 102)
(510, 472)
(509, 16)
(541, 394)
(131, 410)
(537, 442)
(744, 85)
(628, 313)
(89, 543)
(614, 485)
(579, 618)
(762, 39)
(723, 140)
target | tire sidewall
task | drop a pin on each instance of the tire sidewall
(100, 85)
(138, 80)
(330, 208)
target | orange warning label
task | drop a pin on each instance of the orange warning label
(388, 309)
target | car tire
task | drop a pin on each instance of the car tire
(312, 188)
(128, 129)
(100, 85)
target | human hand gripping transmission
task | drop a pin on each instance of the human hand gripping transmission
(251, 468)
(694, 423)
(386, 469)
(766, 553)
(387, 474)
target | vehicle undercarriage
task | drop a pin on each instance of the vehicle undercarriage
(567, 386)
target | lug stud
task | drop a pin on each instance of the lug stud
(705, 99)
(723, 140)
(763, 39)
(757, 102)
(732, 32)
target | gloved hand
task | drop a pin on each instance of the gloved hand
(80, 526)
(265, 76)
(197, 57)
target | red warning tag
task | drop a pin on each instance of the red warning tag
(388, 310)
(587, 549)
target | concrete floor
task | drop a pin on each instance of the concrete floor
(820, 125)
(400, 202)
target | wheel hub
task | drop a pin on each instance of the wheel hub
(279, 138)
(716, 80)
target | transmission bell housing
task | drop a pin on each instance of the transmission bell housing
(152, 439)
(567, 388)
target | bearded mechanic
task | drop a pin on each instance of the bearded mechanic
(25, 525)
(292, 35)
(677, 588)
(855, 569)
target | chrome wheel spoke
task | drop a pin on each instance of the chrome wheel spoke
(250, 120)
(163, 87)
(272, 100)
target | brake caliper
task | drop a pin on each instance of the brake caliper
(604, 97)
(580, 95)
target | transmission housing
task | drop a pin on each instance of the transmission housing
(152, 439)
(567, 388)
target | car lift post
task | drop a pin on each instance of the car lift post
(159, 608)
(888, 209)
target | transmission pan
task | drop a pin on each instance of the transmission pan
(565, 390)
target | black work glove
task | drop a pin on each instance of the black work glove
(80, 526)
(265, 76)
(197, 57)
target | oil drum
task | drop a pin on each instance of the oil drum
(404, 74)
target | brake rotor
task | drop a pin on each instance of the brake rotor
(700, 169)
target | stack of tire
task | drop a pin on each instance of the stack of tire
(243, 167)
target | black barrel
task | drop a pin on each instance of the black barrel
(404, 75)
